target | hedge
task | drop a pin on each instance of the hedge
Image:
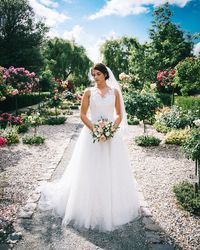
(22, 100)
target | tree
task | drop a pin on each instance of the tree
(187, 76)
(65, 58)
(20, 35)
(116, 54)
(169, 44)
(142, 105)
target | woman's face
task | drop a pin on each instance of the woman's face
(98, 76)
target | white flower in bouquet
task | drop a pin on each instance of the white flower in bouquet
(103, 130)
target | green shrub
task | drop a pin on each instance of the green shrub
(23, 128)
(53, 111)
(64, 105)
(55, 120)
(178, 118)
(187, 197)
(188, 103)
(187, 75)
(23, 100)
(191, 145)
(144, 140)
(177, 136)
(165, 99)
(33, 139)
(141, 105)
(74, 106)
(68, 95)
(11, 134)
(132, 120)
(160, 127)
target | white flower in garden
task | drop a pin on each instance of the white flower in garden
(153, 86)
(197, 122)
(123, 76)
(143, 92)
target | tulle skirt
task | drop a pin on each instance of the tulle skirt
(97, 189)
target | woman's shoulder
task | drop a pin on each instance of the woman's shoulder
(88, 91)
(115, 91)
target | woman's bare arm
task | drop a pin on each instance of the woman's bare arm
(118, 109)
(84, 108)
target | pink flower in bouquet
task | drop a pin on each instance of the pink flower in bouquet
(15, 92)
(102, 138)
(3, 141)
(100, 130)
(101, 124)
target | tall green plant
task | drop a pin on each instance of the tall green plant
(191, 148)
(20, 35)
(142, 105)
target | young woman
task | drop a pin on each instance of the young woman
(97, 189)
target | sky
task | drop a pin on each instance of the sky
(90, 22)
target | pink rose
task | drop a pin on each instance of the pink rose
(15, 92)
(102, 138)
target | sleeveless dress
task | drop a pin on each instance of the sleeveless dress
(97, 189)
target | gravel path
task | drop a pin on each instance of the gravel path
(156, 170)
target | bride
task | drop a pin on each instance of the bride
(97, 189)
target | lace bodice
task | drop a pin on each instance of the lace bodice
(102, 106)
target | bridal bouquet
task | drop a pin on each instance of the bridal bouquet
(103, 130)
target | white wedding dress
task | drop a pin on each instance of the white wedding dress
(97, 189)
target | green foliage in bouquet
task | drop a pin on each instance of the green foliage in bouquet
(33, 139)
(187, 198)
(177, 136)
(146, 141)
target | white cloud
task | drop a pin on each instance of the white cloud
(53, 33)
(196, 50)
(68, 1)
(49, 3)
(93, 50)
(81, 37)
(77, 34)
(128, 7)
(52, 16)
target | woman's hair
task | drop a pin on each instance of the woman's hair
(101, 67)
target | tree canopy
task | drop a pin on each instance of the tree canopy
(21, 36)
